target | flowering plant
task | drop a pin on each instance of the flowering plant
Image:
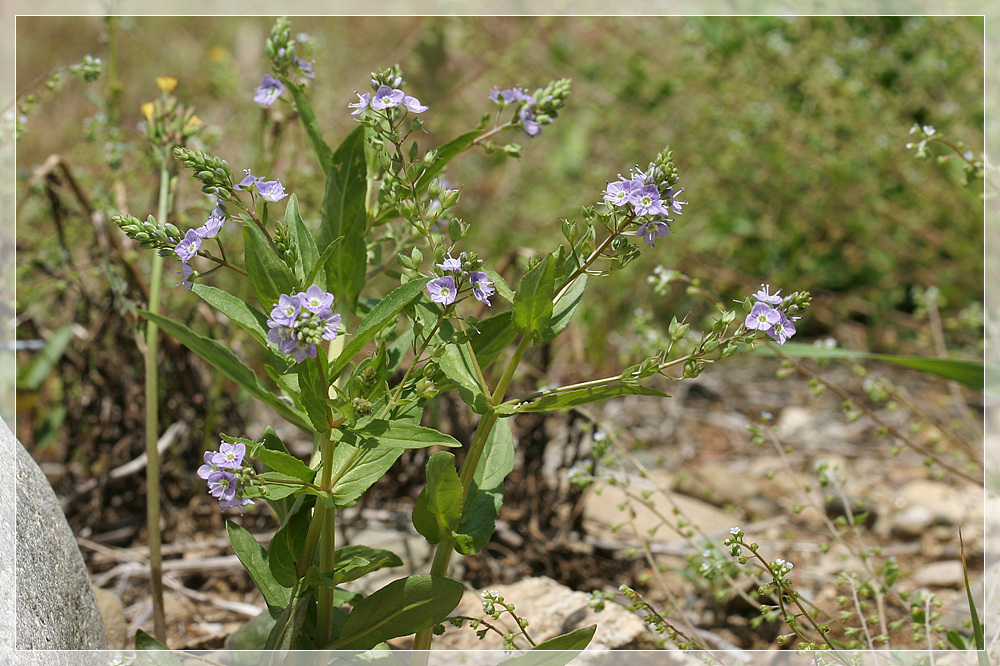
(355, 370)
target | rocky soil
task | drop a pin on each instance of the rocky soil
(678, 474)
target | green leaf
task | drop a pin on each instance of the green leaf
(564, 308)
(356, 469)
(277, 486)
(486, 493)
(269, 276)
(492, 337)
(503, 291)
(32, 376)
(969, 373)
(152, 652)
(312, 391)
(252, 635)
(458, 365)
(285, 463)
(254, 559)
(311, 125)
(381, 315)
(533, 300)
(250, 319)
(439, 505)
(223, 359)
(402, 607)
(375, 558)
(556, 651)
(289, 625)
(305, 247)
(286, 546)
(397, 435)
(583, 396)
(343, 214)
(320, 265)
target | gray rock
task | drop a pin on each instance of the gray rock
(948, 573)
(551, 610)
(55, 604)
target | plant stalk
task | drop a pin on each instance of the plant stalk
(152, 422)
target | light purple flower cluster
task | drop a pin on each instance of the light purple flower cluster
(456, 271)
(269, 190)
(766, 315)
(301, 321)
(386, 97)
(647, 200)
(526, 113)
(188, 247)
(223, 469)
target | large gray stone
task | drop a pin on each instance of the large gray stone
(55, 605)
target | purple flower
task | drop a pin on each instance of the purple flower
(646, 201)
(286, 310)
(206, 470)
(315, 299)
(765, 296)
(782, 329)
(188, 247)
(222, 485)
(306, 67)
(300, 350)
(214, 224)
(268, 91)
(187, 272)
(762, 317)
(482, 287)
(618, 193)
(653, 229)
(236, 501)
(413, 105)
(331, 322)
(249, 180)
(230, 456)
(522, 96)
(386, 97)
(442, 290)
(671, 202)
(271, 190)
(450, 264)
(502, 97)
(531, 126)
(361, 104)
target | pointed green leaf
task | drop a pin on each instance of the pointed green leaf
(374, 558)
(284, 463)
(286, 546)
(438, 507)
(492, 337)
(397, 435)
(223, 359)
(307, 254)
(533, 300)
(312, 391)
(402, 607)
(457, 364)
(583, 396)
(556, 651)
(343, 214)
(250, 319)
(311, 125)
(269, 276)
(254, 559)
(486, 494)
(564, 308)
(380, 316)
(356, 469)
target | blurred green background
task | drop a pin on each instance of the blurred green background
(789, 134)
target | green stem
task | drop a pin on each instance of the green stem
(442, 553)
(152, 422)
(327, 548)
